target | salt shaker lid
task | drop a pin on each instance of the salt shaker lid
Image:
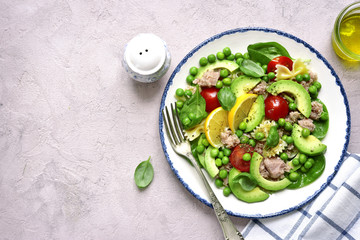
(145, 53)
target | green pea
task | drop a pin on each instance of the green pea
(288, 126)
(227, 81)
(205, 142)
(214, 152)
(247, 157)
(284, 156)
(219, 84)
(264, 67)
(292, 106)
(308, 164)
(289, 140)
(259, 136)
(239, 60)
(200, 148)
(259, 64)
(305, 132)
(271, 75)
(203, 61)
(186, 121)
(193, 71)
(252, 142)
(244, 139)
(218, 162)
(190, 79)
(211, 58)
(179, 92)
(220, 55)
(265, 78)
(223, 174)
(295, 162)
(227, 51)
(188, 93)
(306, 77)
(311, 160)
(317, 85)
(239, 133)
(299, 77)
(246, 55)
(242, 126)
(302, 158)
(324, 116)
(227, 152)
(219, 183)
(220, 154)
(312, 89)
(224, 73)
(281, 122)
(179, 104)
(226, 191)
(238, 55)
(294, 176)
(225, 160)
(231, 57)
(192, 116)
(303, 169)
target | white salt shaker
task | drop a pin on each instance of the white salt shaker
(146, 58)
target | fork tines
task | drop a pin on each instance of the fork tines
(173, 125)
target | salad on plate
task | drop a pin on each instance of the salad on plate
(254, 120)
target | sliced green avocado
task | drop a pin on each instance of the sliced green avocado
(310, 145)
(302, 97)
(266, 184)
(256, 114)
(255, 195)
(227, 64)
(243, 84)
(210, 165)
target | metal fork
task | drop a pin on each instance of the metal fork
(182, 147)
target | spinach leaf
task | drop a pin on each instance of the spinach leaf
(250, 68)
(273, 138)
(226, 98)
(246, 181)
(195, 105)
(144, 174)
(265, 52)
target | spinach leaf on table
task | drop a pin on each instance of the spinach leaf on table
(226, 98)
(144, 174)
(195, 105)
(264, 52)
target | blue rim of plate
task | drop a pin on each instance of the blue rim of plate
(319, 56)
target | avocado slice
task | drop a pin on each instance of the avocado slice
(310, 145)
(256, 114)
(255, 195)
(209, 161)
(264, 183)
(243, 84)
(227, 64)
(302, 97)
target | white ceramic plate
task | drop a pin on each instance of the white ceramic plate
(332, 94)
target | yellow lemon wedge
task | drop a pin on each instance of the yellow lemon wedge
(216, 122)
(240, 110)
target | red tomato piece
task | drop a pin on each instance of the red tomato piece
(236, 157)
(276, 107)
(210, 95)
(282, 60)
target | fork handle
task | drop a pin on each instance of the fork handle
(229, 230)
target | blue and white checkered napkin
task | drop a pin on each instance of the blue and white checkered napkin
(334, 214)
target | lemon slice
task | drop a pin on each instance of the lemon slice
(215, 123)
(240, 110)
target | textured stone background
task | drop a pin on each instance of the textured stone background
(73, 126)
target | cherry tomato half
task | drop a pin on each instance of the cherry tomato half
(236, 157)
(276, 107)
(282, 60)
(210, 95)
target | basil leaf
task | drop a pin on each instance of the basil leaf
(226, 98)
(265, 52)
(196, 105)
(246, 181)
(250, 68)
(144, 174)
